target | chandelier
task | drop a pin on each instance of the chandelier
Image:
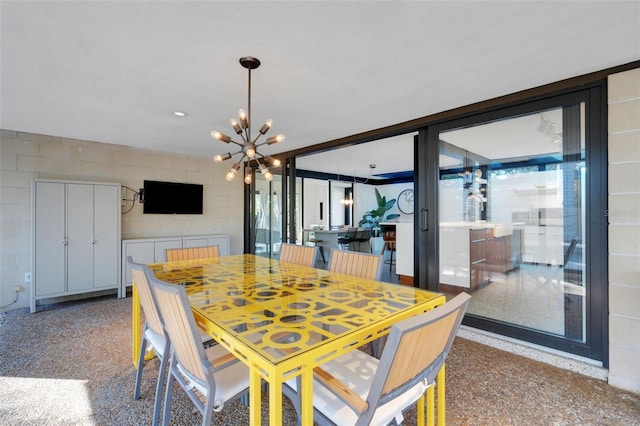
(248, 146)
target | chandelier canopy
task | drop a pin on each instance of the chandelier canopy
(248, 146)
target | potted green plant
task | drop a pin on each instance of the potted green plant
(372, 218)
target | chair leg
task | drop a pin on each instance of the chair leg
(161, 378)
(391, 258)
(143, 349)
(322, 254)
(167, 394)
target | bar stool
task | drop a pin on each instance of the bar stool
(389, 238)
(313, 241)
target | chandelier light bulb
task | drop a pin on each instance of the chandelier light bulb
(232, 172)
(274, 161)
(236, 126)
(221, 157)
(247, 175)
(244, 120)
(275, 139)
(220, 136)
(265, 172)
(250, 149)
(266, 126)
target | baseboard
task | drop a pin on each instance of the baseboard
(577, 364)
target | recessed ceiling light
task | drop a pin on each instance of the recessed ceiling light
(179, 114)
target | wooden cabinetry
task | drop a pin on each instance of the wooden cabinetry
(477, 256)
(503, 252)
(76, 238)
(152, 250)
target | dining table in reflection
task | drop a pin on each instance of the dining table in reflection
(283, 320)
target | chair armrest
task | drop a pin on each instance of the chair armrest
(348, 396)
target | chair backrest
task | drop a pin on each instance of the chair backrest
(363, 265)
(190, 253)
(351, 233)
(301, 255)
(151, 314)
(363, 234)
(416, 350)
(172, 302)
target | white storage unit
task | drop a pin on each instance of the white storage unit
(76, 238)
(152, 250)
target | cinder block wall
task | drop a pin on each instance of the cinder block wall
(624, 230)
(25, 156)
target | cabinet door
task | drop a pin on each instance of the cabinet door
(196, 242)
(222, 241)
(140, 252)
(106, 237)
(80, 237)
(49, 251)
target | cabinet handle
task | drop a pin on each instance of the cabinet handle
(65, 242)
(93, 242)
(424, 226)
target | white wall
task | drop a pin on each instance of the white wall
(26, 156)
(624, 230)
(365, 199)
(315, 192)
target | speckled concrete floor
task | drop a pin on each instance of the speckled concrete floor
(70, 364)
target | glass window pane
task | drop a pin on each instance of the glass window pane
(511, 214)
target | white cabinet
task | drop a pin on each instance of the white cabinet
(152, 250)
(76, 238)
(222, 241)
(543, 245)
(404, 249)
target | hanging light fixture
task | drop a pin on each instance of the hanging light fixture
(248, 147)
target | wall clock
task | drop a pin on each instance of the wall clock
(405, 201)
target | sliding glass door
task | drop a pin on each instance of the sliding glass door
(508, 193)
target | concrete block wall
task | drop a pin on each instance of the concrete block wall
(24, 156)
(624, 230)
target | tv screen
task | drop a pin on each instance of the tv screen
(172, 198)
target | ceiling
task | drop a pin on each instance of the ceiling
(115, 71)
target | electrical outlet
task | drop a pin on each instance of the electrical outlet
(27, 277)
(17, 288)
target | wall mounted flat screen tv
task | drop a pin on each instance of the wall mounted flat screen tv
(172, 198)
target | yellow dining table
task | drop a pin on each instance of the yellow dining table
(283, 320)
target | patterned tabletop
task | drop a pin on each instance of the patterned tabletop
(281, 308)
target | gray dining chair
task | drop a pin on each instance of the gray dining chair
(153, 337)
(358, 389)
(210, 377)
(298, 254)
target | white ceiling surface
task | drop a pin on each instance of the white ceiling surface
(114, 71)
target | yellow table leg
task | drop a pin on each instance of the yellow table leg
(441, 402)
(275, 402)
(306, 401)
(255, 390)
(135, 324)
(431, 406)
(135, 327)
(420, 410)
